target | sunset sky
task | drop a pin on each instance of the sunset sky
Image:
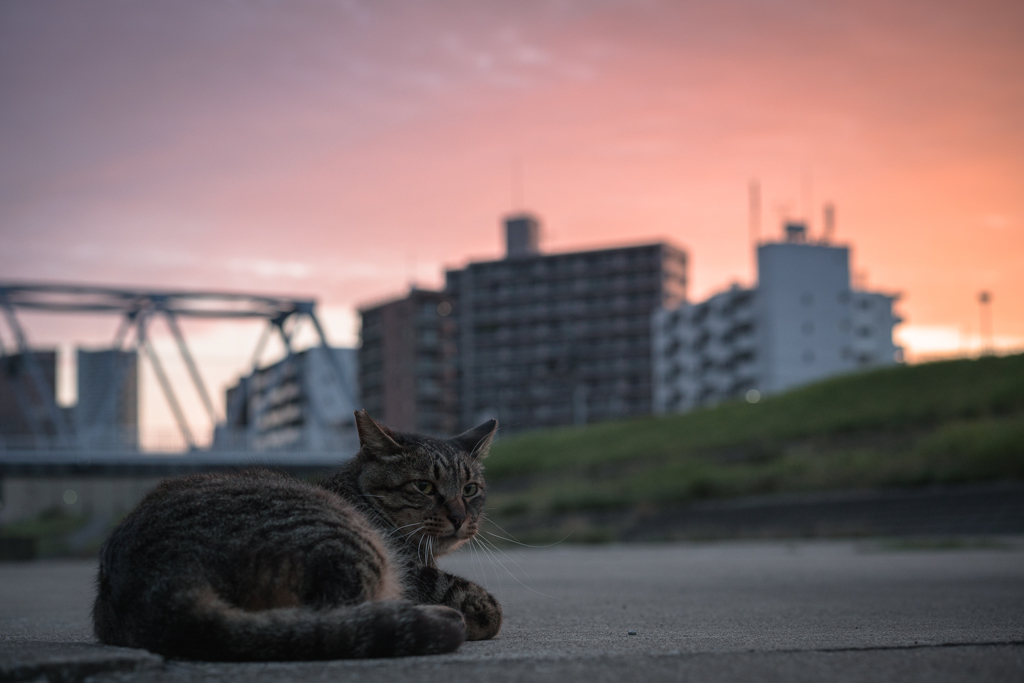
(341, 150)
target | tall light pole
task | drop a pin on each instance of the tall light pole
(985, 305)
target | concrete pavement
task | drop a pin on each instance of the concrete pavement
(844, 611)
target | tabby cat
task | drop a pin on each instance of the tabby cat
(261, 566)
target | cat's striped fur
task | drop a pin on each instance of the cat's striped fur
(261, 566)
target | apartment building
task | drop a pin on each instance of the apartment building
(803, 322)
(557, 339)
(407, 377)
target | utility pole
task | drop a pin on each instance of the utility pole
(985, 305)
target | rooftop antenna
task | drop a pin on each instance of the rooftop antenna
(807, 197)
(754, 219)
(830, 222)
(783, 215)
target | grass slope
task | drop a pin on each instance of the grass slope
(950, 421)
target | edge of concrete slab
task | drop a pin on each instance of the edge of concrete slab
(30, 660)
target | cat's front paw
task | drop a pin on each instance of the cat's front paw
(482, 613)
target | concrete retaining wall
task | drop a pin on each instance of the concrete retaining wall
(25, 497)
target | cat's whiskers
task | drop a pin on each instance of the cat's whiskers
(408, 535)
(496, 549)
(494, 558)
(395, 530)
(525, 545)
(476, 556)
(490, 556)
(418, 546)
(487, 519)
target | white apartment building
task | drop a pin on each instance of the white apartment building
(803, 322)
(297, 404)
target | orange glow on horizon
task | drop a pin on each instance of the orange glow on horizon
(342, 152)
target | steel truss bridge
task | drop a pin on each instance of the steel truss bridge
(56, 447)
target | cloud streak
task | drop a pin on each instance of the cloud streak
(325, 145)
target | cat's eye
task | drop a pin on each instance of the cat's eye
(469, 490)
(424, 486)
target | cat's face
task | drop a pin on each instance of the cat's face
(432, 490)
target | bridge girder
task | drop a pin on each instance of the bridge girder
(137, 308)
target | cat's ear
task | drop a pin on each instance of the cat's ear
(477, 441)
(376, 440)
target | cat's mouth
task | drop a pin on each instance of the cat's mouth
(454, 536)
(449, 536)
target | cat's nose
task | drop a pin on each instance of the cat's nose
(456, 512)
(456, 519)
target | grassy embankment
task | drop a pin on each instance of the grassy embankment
(945, 422)
(48, 533)
(949, 422)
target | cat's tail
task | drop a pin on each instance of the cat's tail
(208, 628)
